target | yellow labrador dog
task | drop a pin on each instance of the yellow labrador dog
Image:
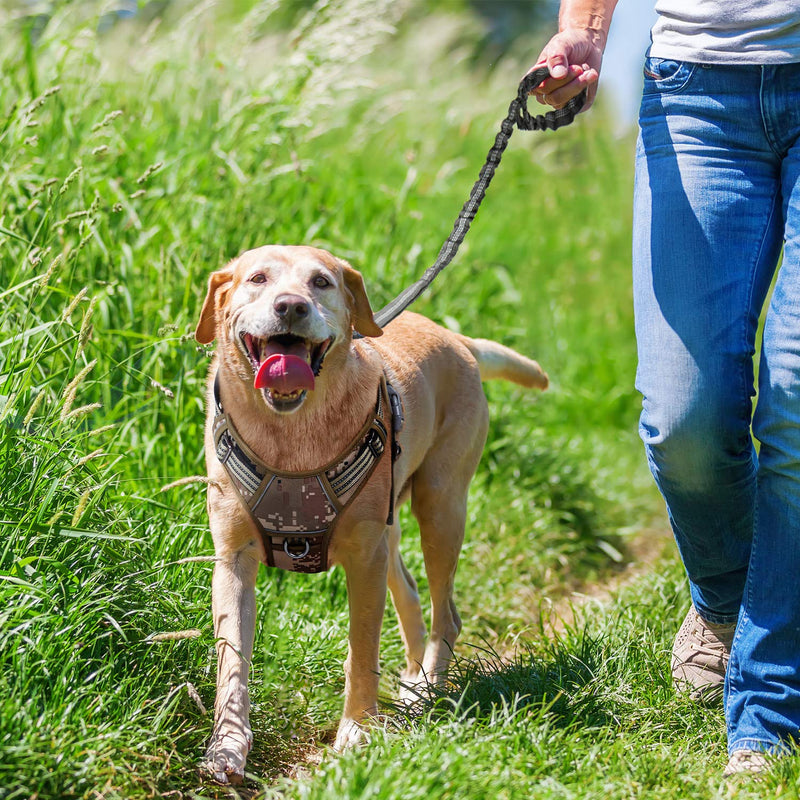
(313, 438)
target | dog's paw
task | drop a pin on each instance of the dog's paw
(350, 734)
(226, 756)
(414, 687)
(412, 692)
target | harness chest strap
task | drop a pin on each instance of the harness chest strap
(296, 512)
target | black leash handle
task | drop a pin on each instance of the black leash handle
(518, 117)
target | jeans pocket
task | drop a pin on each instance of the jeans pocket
(666, 75)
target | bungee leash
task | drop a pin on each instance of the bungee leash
(518, 117)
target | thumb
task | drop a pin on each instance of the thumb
(557, 65)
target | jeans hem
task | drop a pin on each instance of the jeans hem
(758, 745)
(717, 619)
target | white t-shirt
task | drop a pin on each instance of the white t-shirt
(728, 31)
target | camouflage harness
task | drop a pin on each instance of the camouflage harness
(296, 512)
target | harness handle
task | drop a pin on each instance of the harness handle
(519, 117)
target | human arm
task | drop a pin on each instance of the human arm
(574, 55)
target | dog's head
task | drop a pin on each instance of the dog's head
(280, 312)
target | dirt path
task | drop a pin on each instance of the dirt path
(643, 552)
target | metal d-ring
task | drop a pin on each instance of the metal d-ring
(296, 556)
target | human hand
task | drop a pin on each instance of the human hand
(573, 58)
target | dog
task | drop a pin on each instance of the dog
(292, 387)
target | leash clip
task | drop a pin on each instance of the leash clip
(398, 418)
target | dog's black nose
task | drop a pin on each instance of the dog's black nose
(291, 307)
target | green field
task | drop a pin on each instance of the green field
(135, 161)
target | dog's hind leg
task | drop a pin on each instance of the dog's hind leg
(441, 514)
(439, 491)
(409, 614)
(234, 609)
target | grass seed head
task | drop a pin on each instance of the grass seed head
(102, 429)
(54, 264)
(90, 456)
(8, 406)
(191, 479)
(149, 171)
(37, 255)
(68, 396)
(74, 302)
(161, 388)
(39, 101)
(70, 179)
(86, 325)
(37, 402)
(174, 636)
(81, 411)
(81, 507)
(107, 120)
(195, 696)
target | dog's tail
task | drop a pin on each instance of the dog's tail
(498, 362)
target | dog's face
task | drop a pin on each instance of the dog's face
(280, 312)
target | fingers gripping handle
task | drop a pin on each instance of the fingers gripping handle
(552, 120)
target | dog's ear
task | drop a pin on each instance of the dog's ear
(360, 309)
(206, 330)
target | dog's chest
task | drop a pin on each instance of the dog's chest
(296, 512)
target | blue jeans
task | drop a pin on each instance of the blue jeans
(717, 194)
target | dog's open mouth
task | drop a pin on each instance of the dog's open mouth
(285, 366)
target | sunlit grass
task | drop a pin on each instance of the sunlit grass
(131, 165)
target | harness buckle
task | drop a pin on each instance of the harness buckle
(397, 408)
(224, 447)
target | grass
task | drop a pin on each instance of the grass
(132, 164)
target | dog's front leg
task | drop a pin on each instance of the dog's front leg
(366, 569)
(234, 609)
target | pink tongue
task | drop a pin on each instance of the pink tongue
(285, 374)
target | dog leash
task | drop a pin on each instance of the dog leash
(518, 117)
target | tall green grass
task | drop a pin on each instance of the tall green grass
(131, 165)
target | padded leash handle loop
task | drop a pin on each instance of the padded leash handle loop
(552, 120)
(519, 117)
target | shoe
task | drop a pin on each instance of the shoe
(700, 657)
(746, 761)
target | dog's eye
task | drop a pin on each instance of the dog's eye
(257, 277)
(321, 282)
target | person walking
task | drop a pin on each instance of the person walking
(716, 200)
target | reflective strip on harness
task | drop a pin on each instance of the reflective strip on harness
(297, 512)
(374, 445)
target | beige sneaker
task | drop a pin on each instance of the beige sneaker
(700, 657)
(746, 761)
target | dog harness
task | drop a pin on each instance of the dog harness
(296, 512)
